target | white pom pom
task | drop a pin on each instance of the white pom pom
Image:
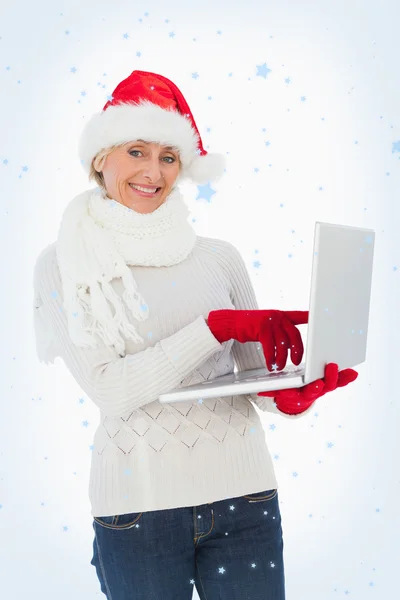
(206, 168)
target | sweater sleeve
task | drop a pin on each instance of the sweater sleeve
(249, 355)
(116, 384)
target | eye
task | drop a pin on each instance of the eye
(169, 158)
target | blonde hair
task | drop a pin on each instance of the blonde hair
(97, 165)
(99, 160)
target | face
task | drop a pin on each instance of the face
(142, 164)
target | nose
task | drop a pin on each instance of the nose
(152, 170)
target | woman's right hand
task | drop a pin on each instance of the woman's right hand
(276, 331)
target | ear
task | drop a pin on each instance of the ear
(98, 163)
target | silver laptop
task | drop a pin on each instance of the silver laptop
(337, 322)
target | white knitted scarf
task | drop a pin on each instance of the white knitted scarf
(98, 240)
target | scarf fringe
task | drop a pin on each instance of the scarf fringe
(133, 298)
(120, 316)
(79, 321)
(98, 239)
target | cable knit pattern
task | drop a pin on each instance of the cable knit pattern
(149, 456)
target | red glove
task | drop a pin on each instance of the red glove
(275, 330)
(296, 400)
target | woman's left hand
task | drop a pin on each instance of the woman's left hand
(296, 400)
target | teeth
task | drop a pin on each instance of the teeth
(148, 191)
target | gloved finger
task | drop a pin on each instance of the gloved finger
(268, 344)
(331, 377)
(297, 317)
(269, 394)
(313, 390)
(346, 376)
(281, 344)
(295, 341)
(292, 394)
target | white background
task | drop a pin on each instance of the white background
(303, 98)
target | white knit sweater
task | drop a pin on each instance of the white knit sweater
(148, 456)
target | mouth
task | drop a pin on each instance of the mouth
(142, 191)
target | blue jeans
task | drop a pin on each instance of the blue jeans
(228, 550)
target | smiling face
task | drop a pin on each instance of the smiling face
(142, 164)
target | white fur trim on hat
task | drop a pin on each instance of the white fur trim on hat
(203, 169)
(147, 121)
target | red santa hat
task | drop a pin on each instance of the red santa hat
(149, 107)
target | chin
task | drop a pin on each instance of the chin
(145, 208)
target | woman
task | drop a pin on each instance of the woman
(183, 494)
